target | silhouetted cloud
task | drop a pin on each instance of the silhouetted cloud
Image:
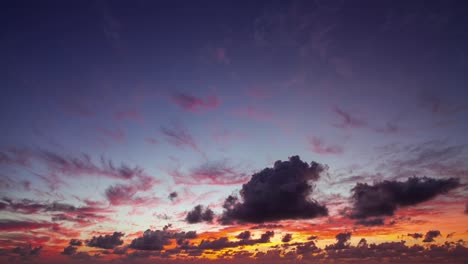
(75, 242)
(281, 192)
(415, 235)
(106, 241)
(370, 222)
(157, 239)
(243, 235)
(27, 250)
(286, 238)
(384, 198)
(430, 235)
(341, 241)
(199, 214)
(172, 196)
(70, 250)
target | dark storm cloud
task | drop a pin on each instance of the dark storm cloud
(199, 214)
(430, 235)
(370, 222)
(157, 239)
(341, 241)
(106, 241)
(281, 192)
(384, 198)
(415, 235)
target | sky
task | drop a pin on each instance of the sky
(233, 131)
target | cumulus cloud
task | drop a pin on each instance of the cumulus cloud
(281, 192)
(106, 241)
(199, 214)
(430, 235)
(341, 241)
(70, 250)
(384, 198)
(75, 242)
(157, 239)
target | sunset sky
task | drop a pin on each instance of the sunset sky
(233, 131)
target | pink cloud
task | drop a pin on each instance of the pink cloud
(318, 146)
(125, 194)
(211, 173)
(180, 137)
(195, 104)
(255, 114)
(347, 120)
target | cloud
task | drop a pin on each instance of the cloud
(172, 196)
(341, 241)
(221, 56)
(347, 120)
(415, 235)
(27, 250)
(318, 146)
(278, 193)
(131, 114)
(125, 194)
(106, 241)
(430, 235)
(370, 222)
(286, 238)
(211, 173)
(199, 214)
(180, 137)
(70, 250)
(117, 135)
(157, 239)
(7, 225)
(75, 242)
(224, 242)
(243, 235)
(194, 104)
(384, 198)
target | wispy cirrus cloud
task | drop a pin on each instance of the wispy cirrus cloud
(347, 120)
(210, 173)
(318, 146)
(180, 137)
(195, 104)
